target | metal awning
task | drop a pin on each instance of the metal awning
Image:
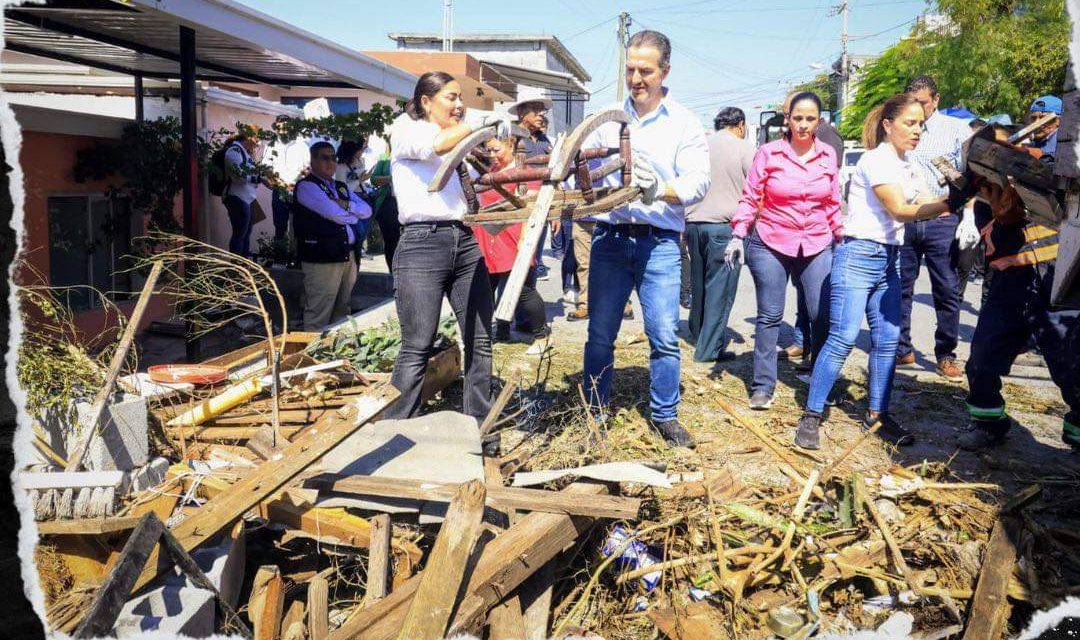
(232, 43)
(553, 80)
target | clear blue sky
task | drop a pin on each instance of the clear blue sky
(724, 52)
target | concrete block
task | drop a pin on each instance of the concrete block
(222, 562)
(121, 442)
(150, 475)
(173, 610)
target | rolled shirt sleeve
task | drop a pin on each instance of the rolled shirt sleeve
(692, 170)
(413, 139)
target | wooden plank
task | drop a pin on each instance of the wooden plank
(457, 155)
(989, 610)
(697, 621)
(378, 575)
(262, 444)
(318, 613)
(442, 369)
(273, 475)
(89, 428)
(536, 595)
(504, 564)
(502, 498)
(228, 433)
(266, 603)
(114, 592)
(446, 568)
(88, 526)
(293, 615)
(505, 621)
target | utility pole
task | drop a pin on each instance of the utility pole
(844, 9)
(620, 73)
(448, 25)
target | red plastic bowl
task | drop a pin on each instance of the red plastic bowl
(191, 373)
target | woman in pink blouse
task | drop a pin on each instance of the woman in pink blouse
(789, 216)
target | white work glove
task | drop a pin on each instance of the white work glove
(967, 234)
(500, 121)
(734, 253)
(645, 179)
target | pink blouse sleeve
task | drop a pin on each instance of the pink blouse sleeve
(836, 221)
(750, 200)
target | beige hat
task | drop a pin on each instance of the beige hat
(520, 103)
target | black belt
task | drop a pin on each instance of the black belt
(632, 230)
(438, 224)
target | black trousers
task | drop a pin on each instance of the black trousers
(389, 227)
(530, 302)
(431, 262)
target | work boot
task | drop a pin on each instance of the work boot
(581, 313)
(948, 369)
(806, 432)
(890, 430)
(978, 438)
(760, 401)
(905, 361)
(793, 352)
(674, 433)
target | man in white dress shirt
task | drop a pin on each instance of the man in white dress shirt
(636, 247)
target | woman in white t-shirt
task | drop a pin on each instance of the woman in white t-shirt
(885, 193)
(437, 255)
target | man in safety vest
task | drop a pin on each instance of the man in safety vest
(1022, 254)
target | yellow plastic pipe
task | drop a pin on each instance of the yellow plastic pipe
(219, 404)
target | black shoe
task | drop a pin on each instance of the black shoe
(725, 356)
(684, 301)
(890, 430)
(491, 448)
(674, 433)
(760, 401)
(628, 313)
(502, 332)
(806, 432)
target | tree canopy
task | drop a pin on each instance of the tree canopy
(993, 56)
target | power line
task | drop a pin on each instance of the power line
(588, 29)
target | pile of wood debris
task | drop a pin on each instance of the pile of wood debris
(251, 530)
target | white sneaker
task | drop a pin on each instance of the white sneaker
(539, 347)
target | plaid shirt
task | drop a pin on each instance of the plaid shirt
(944, 136)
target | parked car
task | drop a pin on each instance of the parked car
(847, 168)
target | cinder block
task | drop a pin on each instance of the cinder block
(150, 475)
(173, 610)
(121, 442)
(223, 564)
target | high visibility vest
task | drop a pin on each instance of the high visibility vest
(1019, 244)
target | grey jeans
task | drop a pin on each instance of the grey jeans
(432, 261)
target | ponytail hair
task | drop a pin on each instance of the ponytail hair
(873, 131)
(429, 84)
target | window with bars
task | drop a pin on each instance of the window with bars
(89, 247)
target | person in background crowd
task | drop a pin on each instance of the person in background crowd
(244, 181)
(1017, 316)
(788, 217)
(886, 192)
(1046, 140)
(828, 134)
(500, 250)
(354, 174)
(708, 232)
(562, 247)
(383, 199)
(326, 214)
(438, 255)
(531, 114)
(685, 282)
(289, 161)
(636, 247)
(934, 240)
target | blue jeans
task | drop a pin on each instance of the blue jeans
(240, 218)
(932, 241)
(625, 259)
(281, 211)
(865, 280)
(771, 270)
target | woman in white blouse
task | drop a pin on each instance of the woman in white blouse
(437, 255)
